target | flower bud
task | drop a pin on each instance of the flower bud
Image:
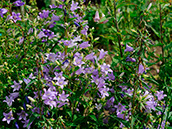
(53, 83)
(21, 108)
(31, 99)
(29, 106)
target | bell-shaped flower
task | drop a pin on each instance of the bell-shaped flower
(96, 17)
(128, 49)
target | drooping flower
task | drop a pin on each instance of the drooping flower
(128, 49)
(3, 11)
(21, 40)
(96, 18)
(8, 117)
(9, 100)
(18, 3)
(14, 95)
(141, 69)
(27, 100)
(102, 54)
(130, 59)
(84, 45)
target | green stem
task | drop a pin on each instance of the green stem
(116, 22)
(161, 38)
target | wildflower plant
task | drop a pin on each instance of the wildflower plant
(52, 77)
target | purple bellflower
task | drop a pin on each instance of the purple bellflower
(130, 59)
(61, 82)
(51, 102)
(78, 61)
(3, 11)
(160, 95)
(8, 117)
(74, 6)
(21, 40)
(16, 86)
(26, 122)
(44, 14)
(85, 29)
(96, 17)
(102, 54)
(51, 57)
(84, 45)
(104, 92)
(98, 106)
(14, 95)
(120, 108)
(53, 6)
(15, 17)
(141, 69)
(17, 126)
(105, 68)
(9, 100)
(63, 97)
(111, 76)
(22, 115)
(48, 94)
(128, 49)
(55, 18)
(18, 3)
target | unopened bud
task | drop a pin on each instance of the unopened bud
(57, 62)
(29, 106)
(53, 83)
(31, 99)
(21, 108)
(18, 99)
(5, 63)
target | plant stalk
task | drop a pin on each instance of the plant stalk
(116, 22)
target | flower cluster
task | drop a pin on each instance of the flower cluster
(64, 82)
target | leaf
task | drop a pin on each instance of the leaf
(168, 46)
(158, 34)
(114, 29)
(30, 83)
(31, 120)
(126, 123)
(102, 19)
(93, 117)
